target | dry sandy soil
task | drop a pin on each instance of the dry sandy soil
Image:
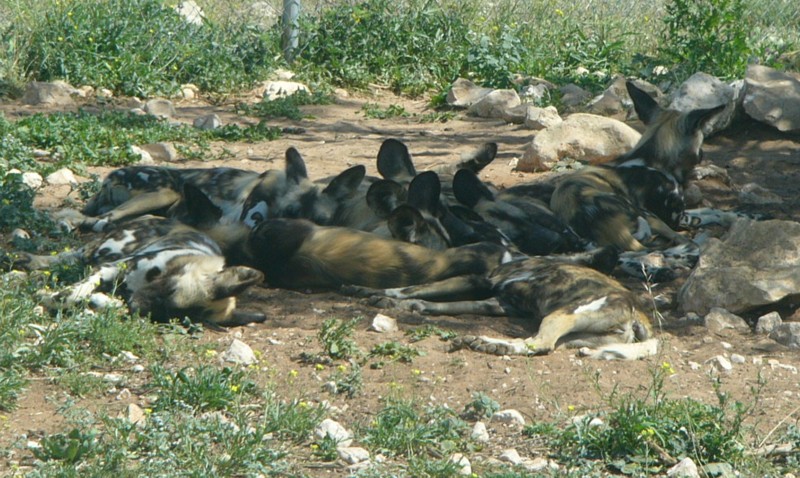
(542, 388)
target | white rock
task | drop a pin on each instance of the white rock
(787, 334)
(720, 363)
(20, 234)
(240, 353)
(465, 467)
(464, 93)
(336, 432)
(189, 91)
(281, 89)
(684, 469)
(32, 180)
(191, 12)
(510, 416)
(144, 156)
(736, 358)
(161, 152)
(495, 104)
(538, 464)
(353, 455)
(510, 455)
(383, 323)
(61, 177)
(767, 323)
(135, 414)
(160, 107)
(541, 118)
(207, 122)
(52, 94)
(480, 433)
(583, 137)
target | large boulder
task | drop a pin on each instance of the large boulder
(582, 137)
(755, 264)
(773, 97)
(496, 104)
(57, 93)
(464, 93)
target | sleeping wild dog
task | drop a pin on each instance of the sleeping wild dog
(160, 268)
(572, 303)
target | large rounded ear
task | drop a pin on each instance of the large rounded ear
(477, 160)
(646, 107)
(295, 166)
(394, 161)
(346, 183)
(384, 196)
(405, 222)
(696, 119)
(424, 192)
(469, 189)
(198, 208)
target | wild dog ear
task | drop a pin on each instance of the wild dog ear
(697, 119)
(346, 183)
(394, 161)
(232, 281)
(479, 159)
(198, 208)
(469, 189)
(646, 107)
(295, 166)
(404, 222)
(424, 191)
(384, 196)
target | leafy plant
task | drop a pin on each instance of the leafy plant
(12, 382)
(201, 388)
(349, 381)
(425, 331)
(293, 420)
(286, 107)
(706, 35)
(481, 406)
(394, 352)
(70, 448)
(336, 338)
(374, 111)
(492, 62)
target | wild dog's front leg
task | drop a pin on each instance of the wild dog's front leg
(489, 306)
(455, 287)
(84, 291)
(33, 262)
(140, 205)
(704, 216)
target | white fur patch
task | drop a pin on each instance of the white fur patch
(592, 306)
(115, 246)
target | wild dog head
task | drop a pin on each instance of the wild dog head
(673, 140)
(161, 268)
(655, 191)
(290, 193)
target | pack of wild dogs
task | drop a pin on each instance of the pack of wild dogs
(176, 243)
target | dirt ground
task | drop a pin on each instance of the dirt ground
(541, 388)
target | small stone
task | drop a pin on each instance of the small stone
(240, 353)
(160, 107)
(787, 334)
(383, 324)
(353, 455)
(767, 323)
(161, 152)
(736, 358)
(138, 368)
(719, 320)
(465, 467)
(509, 417)
(63, 176)
(135, 414)
(207, 122)
(684, 469)
(720, 363)
(479, 432)
(20, 234)
(32, 180)
(511, 456)
(336, 432)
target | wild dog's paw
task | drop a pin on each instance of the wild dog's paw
(490, 346)
(381, 302)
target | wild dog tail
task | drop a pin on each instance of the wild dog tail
(478, 159)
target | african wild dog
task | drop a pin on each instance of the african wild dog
(298, 254)
(672, 141)
(134, 191)
(160, 267)
(572, 303)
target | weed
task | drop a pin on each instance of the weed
(374, 111)
(70, 448)
(336, 338)
(202, 388)
(436, 117)
(12, 382)
(393, 352)
(399, 429)
(482, 406)
(421, 333)
(286, 107)
(706, 35)
(293, 420)
(81, 384)
(349, 381)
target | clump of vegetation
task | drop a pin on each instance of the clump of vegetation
(336, 337)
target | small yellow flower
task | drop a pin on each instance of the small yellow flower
(69, 14)
(667, 367)
(293, 373)
(258, 354)
(314, 446)
(319, 366)
(342, 368)
(416, 371)
(60, 38)
(235, 388)
(559, 12)
(571, 408)
(148, 411)
(647, 432)
(303, 405)
(210, 353)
